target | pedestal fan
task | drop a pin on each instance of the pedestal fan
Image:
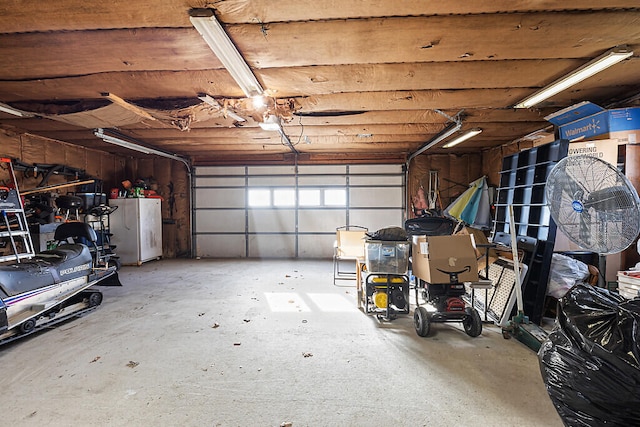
(598, 209)
(594, 204)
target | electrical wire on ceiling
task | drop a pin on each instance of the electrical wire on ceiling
(301, 130)
(284, 140)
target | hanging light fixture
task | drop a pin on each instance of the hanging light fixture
(468, 134)
(10, 110)
(444, 134)
(204, 20)
(600, 63)
(112, 137)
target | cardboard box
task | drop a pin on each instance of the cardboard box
(588, 121)
(603, 149)
(438, 259)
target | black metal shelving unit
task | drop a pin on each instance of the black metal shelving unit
(522, 185)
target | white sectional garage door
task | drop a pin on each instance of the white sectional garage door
(291, 211)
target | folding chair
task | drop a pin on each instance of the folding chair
(349, 246)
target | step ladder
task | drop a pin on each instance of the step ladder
(14, 229)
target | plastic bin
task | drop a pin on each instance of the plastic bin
(387, 256)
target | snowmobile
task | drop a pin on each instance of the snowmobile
(53, 286)
(38, 290)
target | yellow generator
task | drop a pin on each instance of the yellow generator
(387, 283)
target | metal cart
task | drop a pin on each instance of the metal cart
(449, 306)
(446, 297)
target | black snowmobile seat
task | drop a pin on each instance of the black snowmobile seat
(77, 231)
(63, 253)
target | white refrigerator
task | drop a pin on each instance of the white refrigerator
(136, 226)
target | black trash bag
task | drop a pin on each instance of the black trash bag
(591, 362)
(388, 234)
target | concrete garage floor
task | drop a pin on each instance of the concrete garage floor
(262, 343)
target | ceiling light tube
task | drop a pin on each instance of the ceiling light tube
(117, 139)
(468, 134)
(204, 20)
(446, 133)
(10, 110)
(600, 63)
(211, 101)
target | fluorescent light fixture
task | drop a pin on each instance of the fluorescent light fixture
(602, 62)
(271, 123)
(115, 138)
(446, 133)
(468, 134)
(211, 101)
(10, 110)
(204, 20)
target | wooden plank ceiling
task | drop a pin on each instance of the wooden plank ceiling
(352, 81)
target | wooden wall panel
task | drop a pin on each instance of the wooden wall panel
(492, 165)
(455, 172)
(179, 195)
(93, 165)
(10, 145)
(172, 179)
(52, 153)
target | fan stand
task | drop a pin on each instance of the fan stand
(602, 268)
(519, 326)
